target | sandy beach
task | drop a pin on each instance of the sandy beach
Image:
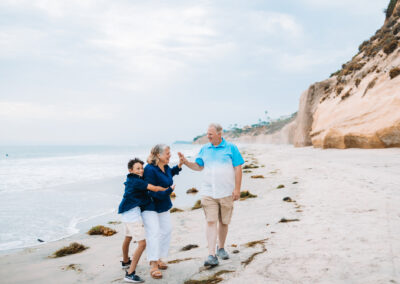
(347, 206)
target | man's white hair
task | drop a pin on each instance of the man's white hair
(217, 127)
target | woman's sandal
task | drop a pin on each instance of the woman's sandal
(162, 265)
(155, 273)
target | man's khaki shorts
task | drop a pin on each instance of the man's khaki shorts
(218, 209)
(135, 230)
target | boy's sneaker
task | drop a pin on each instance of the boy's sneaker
(132, 278)
(126, 264)
(211, 261)
(222, 253)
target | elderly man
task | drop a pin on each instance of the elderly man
(222, 165)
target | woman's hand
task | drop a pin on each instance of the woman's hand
(173, 187)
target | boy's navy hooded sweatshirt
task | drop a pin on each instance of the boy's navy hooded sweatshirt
(136, 194)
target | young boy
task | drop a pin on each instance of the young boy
(135, 195)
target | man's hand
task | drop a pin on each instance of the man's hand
(182, 159)
(191, 165)
(236, 194)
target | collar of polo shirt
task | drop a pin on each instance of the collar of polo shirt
(221, 145)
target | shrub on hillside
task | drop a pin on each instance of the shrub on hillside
(390, 46)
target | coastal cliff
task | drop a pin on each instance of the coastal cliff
(359, 106)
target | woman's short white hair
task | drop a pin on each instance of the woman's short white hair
(155, 152)
(216, 126)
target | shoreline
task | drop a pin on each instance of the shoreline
(348, 228)
(113, 187)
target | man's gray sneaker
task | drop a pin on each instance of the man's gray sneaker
(222, 253)
(211, 261)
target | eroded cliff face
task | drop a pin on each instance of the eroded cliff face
(359, 106)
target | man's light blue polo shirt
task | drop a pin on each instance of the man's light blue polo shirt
(219, 162)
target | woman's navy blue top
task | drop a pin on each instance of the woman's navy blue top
(136, 194)
(155, 176)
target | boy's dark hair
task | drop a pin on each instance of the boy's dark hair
(134, 161)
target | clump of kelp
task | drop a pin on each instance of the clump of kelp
(213, 279)
(288, 199)
(280, 186)
(192, 190)
(197, 205)
(179, 260)
(71, 249)
(174, 209)
(189, 247)
(250, 166)
(253, 244)
(257, 176)
(246, 194)
(101, 230)
(284, 220)
(114, 222)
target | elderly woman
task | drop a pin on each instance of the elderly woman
(156, 216)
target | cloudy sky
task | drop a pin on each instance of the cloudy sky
(138, 72)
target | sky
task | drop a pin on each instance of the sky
(125, 72)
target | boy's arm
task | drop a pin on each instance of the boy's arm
(162, 194)
(156, 188)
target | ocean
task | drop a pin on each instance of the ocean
(51, 192)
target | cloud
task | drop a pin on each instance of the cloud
(28, 110)
(278, 24)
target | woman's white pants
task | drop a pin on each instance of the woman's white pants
(158, 234)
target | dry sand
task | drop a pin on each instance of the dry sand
(347, 203)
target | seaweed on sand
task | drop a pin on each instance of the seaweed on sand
(71, 249)
(257, 176)
(213, 279)
(174, 209)
(197, 205)
(284, 220)
(288, 199)
(246, 194)
(189, 247)
(179, 260)
(250, 166)
(101, 230)
(192, 190)
(252, 244)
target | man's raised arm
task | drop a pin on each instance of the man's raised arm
(191, 165)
